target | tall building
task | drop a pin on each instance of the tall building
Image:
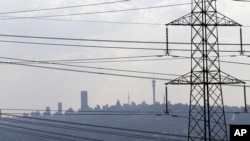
(47, 111)
(153, 85)
(128, 99)
(84, 101)
(59, 108)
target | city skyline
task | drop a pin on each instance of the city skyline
(124, 69)
(36, 87)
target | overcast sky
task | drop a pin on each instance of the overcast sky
(26, 87)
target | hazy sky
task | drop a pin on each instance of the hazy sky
(26, 87)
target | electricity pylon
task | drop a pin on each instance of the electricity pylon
(206, 112)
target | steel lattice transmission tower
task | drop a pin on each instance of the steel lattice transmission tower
(206, 111)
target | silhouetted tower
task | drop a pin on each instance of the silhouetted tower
(128, 98)
(59, 108)
(206, 111)
(153, 86)
(84, 101)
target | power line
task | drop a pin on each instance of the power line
(152, 113)
(80, 113)
(82, 46)
(91, 60)
(125, 113)
(89, 112)
(91, 21)
(65, 7)
(100, 126)
(34, 134)
(110, 47)
(90, 67)
(84, 113)
(106, 40)
(238, 63)
(108, 58)
(109, 22)
(184, 117)
(83, 71)
(115, 128)
(18, 63)
(109, 11)
(44, 124)
(172, 115)
(88, 21)
(98, 131)
(49, 132)
(94, 114)
(105, 111)
(130, 60)
(79, 39)
(113, 59)
(102, 111)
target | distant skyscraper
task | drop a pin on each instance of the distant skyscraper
(84, 100)
(128, 99)
(153, 85)
(47, 111)
(59, 108)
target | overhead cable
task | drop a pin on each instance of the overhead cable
(90, 67)
(107, 40)
(101, 126)
(19, 131)
(50, 132)
(77, 45)
(94, 21)
(108, 11)
(98, 131)
(64, 7)
(110, 47)
(107, 58)
(82, 71)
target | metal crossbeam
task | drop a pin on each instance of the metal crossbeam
(193, 19)
(185, 79)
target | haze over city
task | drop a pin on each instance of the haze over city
(35, 87)
(120, 52)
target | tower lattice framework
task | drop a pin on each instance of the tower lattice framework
(206, 112)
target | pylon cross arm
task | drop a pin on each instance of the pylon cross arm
(186, 79)
(217, 19)
(226, 21)
(228, 79)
